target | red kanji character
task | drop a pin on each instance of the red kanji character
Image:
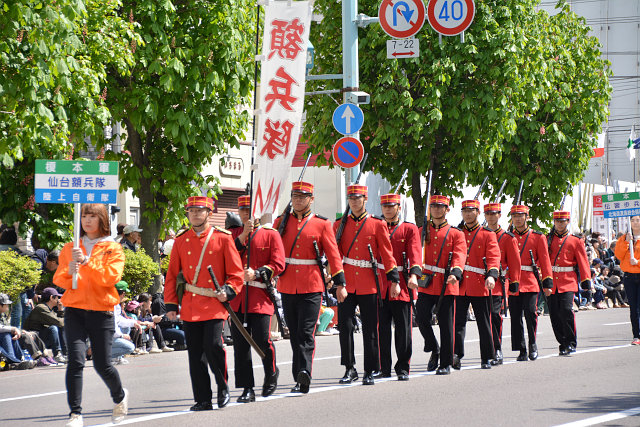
(285, 39)
(281, 90)
(277, 138)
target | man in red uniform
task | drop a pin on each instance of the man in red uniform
(266, 255)
(441, 241)
(567, 254)
(201, 309)
(525, 299)
(301, 285)
(480, 274)
(361, 231)
(509, 265)
(405, 241)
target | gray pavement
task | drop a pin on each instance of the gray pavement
(600, 380)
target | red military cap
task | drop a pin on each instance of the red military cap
(493, 207)
(438, 199)
(562, 215)
(244, 202)
(357, 190)
(199, 202)
(302, 187)
(471, 204)
(520, 209)
(390, 199)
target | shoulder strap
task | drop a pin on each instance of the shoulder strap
(560, 249)
(356, 236)
(524, 245)
(444, 242)
(473, 240)
(395, 229)
(293, 245)
(204, 249)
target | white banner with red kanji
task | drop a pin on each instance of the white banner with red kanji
(282, 81)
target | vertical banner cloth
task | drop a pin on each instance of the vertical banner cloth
(282, 81)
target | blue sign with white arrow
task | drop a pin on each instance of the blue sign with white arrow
(348, 119)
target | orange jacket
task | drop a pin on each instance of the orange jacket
(96, 280)
(622, 253)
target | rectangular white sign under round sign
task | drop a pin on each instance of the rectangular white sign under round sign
(403, 48)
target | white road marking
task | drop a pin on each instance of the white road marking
(32, 396)
(616, 324)
(356, 384)
(603, 418)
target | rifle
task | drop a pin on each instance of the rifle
(426, 233)
(404, 175)
(486, 178)
(553, 227)
(536, 273)
(271, 293)
(345, 215)
(447, 272)
(234, 317)
(374, 267)
(518, 200)
(499, 195)
(287, 211)
(321, 267)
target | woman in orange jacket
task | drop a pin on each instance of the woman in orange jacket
(98, 262)
(631, 267)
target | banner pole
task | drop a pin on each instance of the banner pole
(76, 238)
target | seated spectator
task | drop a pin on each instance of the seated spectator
(615, 288)
(48, 324)
(155, 331)
(171, 329)
(11, 355)
(49, 262)
(140, 337)
(122, 343)
(598, 289)
(131, 237)
(125, 324)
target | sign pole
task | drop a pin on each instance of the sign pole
(76, 238)
(350, 65)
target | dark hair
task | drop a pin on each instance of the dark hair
(53, 255)
(9, 237)
(144, 297)
(99, 210)
(120, 228)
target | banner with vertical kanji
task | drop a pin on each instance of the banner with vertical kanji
(282, 81)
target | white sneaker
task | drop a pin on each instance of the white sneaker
(121, 409)
(75, 420)
(155, 350)
(167, 349)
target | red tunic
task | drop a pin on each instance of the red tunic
(455, 243)
(404, 237)
(568, 251)
(360, 280)
(267, 253)
(481, 244)
(509, 258)
(303, 279)
(221, 255)
(535, 241)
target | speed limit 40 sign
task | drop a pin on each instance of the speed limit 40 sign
(450, 17)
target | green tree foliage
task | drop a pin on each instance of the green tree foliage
(17, 273)
(181, 103)
(466, 110)
(139, 271)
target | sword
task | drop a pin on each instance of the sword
(404, 175)
(234, 317)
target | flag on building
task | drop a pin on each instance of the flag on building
(279, 115)
(599, 150)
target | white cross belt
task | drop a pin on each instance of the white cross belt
(296, 261)
(558, 269)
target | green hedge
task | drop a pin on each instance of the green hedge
(17, 273)
(139, 271)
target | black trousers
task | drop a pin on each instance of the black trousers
(496, 321)
(400, 313)
(369, 316)
(562, 319)
(205, 338)
(99, 327)
(483, 321)
(526, 303)
(301, 313)
(259, 326)
(445, 315)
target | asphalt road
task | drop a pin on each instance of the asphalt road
(599, 385)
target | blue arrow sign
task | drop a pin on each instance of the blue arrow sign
(348, 119)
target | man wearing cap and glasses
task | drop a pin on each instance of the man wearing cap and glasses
(567, 254)
(524, 300)
(131, 237)
(49, 324)
(405, 241)
(301, 284)
(201, 307)
(509, 265)
(441, 240)
(363, 232)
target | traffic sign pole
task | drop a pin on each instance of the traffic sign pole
(350, 63)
